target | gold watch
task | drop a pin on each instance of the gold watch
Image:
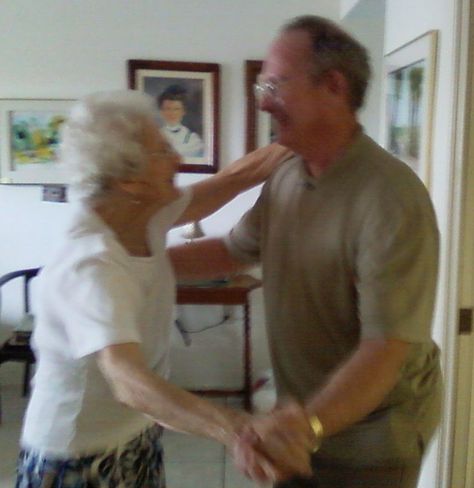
(317, 428)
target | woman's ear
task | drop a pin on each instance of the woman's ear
(133, 186)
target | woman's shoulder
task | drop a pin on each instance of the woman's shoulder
(87, 246)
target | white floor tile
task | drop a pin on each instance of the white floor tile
(194, 475)
(181, 447)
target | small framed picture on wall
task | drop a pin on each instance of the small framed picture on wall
(30, 132)
(408, 108)
(260, 129)
(187, 100)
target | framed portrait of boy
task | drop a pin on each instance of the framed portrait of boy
(187, 100)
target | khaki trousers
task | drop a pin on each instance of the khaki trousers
(365, 477)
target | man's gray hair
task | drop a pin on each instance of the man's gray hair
(335, 49)
(102, 139)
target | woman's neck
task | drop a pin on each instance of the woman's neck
(129, 220)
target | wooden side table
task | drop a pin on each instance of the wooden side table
(234, 292)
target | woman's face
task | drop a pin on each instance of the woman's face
(163, 162)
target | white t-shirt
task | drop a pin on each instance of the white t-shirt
(91, 295)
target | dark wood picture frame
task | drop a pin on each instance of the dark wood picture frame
(252, 70)
(201, 120)
(260, 129)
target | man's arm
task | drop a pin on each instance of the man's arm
(351, 393)
(212, 193)
(359, 385)
(204, 259)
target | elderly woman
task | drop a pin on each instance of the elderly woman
(105, 305)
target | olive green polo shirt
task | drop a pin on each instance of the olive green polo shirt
(350, 255)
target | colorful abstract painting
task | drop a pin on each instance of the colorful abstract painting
(30, 132)
(35, 136)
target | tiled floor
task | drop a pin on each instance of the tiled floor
(190, 462)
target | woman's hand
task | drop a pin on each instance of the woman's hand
(212, 193)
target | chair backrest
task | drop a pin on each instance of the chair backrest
(27, 275)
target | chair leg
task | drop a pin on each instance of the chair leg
(26, 379)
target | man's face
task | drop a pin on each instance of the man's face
(172, 112)
(299, 102)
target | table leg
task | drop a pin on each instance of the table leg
(247, 359)
(26, 379)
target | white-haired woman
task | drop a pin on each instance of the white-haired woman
(105, 305)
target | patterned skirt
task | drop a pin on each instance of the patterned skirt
(137, 464)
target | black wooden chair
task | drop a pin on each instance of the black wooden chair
(17, 346)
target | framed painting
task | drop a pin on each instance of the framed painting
(29, 139)
(409, 86)
(260, 129)
(187, 99)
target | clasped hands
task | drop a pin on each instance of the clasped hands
(276, 446)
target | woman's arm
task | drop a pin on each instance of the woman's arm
(136, 386)
(212, 193)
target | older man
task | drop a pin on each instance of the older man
(348, 242)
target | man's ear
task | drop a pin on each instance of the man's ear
(336, 82)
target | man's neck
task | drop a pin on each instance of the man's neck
(328, 147)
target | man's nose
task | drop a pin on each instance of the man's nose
(266, 102)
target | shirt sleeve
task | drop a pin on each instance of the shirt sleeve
(101, 306)
(397, 269)
(245, 238)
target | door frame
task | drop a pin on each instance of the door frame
(455, 458)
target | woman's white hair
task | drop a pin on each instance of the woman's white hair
(102, 139)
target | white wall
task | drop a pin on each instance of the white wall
(347, 5)
(65, 49)
(406, 20)
(366, 21)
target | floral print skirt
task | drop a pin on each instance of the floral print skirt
(137, 464)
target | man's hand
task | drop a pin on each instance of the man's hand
(277, 446)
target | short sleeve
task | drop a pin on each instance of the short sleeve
(100, 305)
(244, 239)
(397, 270)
